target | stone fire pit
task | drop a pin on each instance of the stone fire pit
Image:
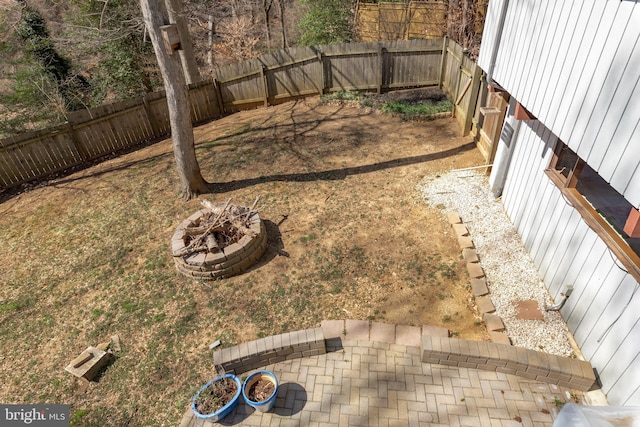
(219, 241)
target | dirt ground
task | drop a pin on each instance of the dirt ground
(351, 178)
(87, 256)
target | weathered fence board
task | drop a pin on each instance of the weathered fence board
(400, 21)
(241, 84)
(158, 113)
(293, 72)
(272, 78)
(352, 66)
(461, 82)
(415, 64)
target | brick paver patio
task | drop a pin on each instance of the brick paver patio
(375, 383)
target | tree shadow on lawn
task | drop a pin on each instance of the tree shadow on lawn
(336, 174)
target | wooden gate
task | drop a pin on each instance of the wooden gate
(492, 116)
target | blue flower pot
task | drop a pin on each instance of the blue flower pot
(224, 411)
(267, 404)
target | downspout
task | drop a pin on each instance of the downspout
(504, 152)
(511, 126)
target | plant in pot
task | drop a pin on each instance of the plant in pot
(217, 398)
(260, 390)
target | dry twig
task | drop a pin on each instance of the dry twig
(229, 226)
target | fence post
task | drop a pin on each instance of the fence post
(380, 67)
(322, 81)
(443, 59)
(481, 101)
(218, 94)
(265, 88)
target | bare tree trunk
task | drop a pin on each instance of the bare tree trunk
(464, 29)
(285, 42)
(266, 8)
(210, 33)
(191, 180)
(406, 23)
(187, 56)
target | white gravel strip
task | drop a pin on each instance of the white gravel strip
(509, 270)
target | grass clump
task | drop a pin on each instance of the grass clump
(411, 111)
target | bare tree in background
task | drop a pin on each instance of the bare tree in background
(266, 9)
(175, 84)
(238, 40)
(462, 26)
(283, 28)
(227, 31)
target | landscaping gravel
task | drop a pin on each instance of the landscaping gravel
(509, 270)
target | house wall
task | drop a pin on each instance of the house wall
(603, 312)
(574, 65)
(490, 33)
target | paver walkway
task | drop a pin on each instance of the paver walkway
(379, 384)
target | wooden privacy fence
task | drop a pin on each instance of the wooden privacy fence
(270, 79)
(403, 20)
(397, 20)
(461, 82)
(303, 71)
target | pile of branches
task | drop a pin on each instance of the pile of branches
(218, 228)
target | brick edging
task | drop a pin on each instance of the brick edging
(434, 342)
(493, 322)
(272, 349)
(548, 368)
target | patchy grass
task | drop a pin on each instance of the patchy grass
(409, 111)
(411, 105)
(87, 256)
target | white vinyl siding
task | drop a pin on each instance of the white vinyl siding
(553, 68)
(489, 33)
(567, 252)
(574, 65)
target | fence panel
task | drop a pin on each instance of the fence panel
(112, 133)
(241, 85)
(204, 102)
(93, 143)
(428, 19)
(451, 75)
(395, 24)
(354, 66)
(32, 157)
(158, 113)
(466, 95)
(293, 72)
(413, 63)
(367, 22)
(415, 19)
